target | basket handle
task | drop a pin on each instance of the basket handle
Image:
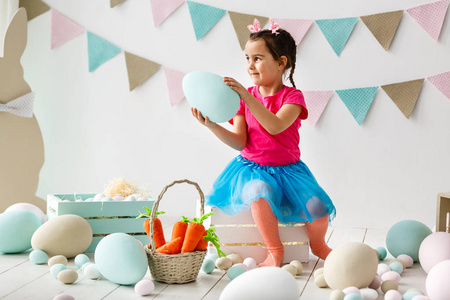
(156, 204)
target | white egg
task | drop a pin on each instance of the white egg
(369, 294)
(290, 268)
(118, 198)
(262, 283)
(57, 259)
(91, 271)
(250, 262)
(130, 198)
(144, 287)
(30, 207)
(99, 197)
(64, 297)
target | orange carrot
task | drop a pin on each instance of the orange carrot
(172, 247)
(179, 228)
(202, 244)
(194, 233)
(158, 234)
(212, 237)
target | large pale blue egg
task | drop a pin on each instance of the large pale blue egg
(211, 96)
(16, 230)
(120, 258)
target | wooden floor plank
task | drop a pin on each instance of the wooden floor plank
(9, 261)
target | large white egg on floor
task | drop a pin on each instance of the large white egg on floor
(262, 283)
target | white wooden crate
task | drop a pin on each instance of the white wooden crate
(238, 234)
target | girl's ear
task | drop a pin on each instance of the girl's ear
(16, 35)
(282, 63)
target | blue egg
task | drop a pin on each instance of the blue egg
(211, 96)
(16, 230)
(208, 266)
(120, 258)
(56, 268)
(212, 256)
(38, 257)
(382, 253)
(409, 295)
(234, 272)
(396, 267)
(353, 296)
(405, 237)
(81, 259)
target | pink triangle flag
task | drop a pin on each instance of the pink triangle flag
(63, 29)
(174, 85)
(316, 101)
(430, 16)
(441, 82)
(162, 9)
(298, 28)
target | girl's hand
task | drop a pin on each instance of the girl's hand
(204, 121)
(237, 87)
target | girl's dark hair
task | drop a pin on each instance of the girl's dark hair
(281, 44)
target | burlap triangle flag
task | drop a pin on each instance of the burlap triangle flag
(240, 23)
(404, 94)
(116, 2)
(383, 26)
(139, 69)
(34, 8)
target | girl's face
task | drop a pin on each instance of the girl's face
(263, 69)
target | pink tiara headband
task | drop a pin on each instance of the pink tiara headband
(256, 26)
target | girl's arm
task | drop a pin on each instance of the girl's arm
(273, 123)
(236, 139)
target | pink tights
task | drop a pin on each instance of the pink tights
(267, 223)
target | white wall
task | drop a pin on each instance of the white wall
(94, 129)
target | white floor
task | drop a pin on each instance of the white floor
(21, 279)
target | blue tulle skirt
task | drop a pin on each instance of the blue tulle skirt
(291, 191)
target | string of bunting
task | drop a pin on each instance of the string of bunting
(357, 100)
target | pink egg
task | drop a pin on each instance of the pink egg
(250, 262)
(376, 283)
(144, 287)
(64, 297)
(242, 265)
(391, 275)
(392, 295)
(351, 290)
(437, 281)
(407, 259)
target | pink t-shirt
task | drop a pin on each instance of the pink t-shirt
(273, 150)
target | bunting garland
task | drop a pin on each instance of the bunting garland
(337, 32)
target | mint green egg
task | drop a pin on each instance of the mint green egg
(16, 230)
(382, 253)
(208, 93)
(38, 257)
(234, 272)
(208, 266)
(56, 268)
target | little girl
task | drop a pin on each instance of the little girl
(268, 175)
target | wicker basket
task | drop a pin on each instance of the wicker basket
(174, 268)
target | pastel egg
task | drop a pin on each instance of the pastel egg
(391, 275)
(234, 271)
(399, 261)
(410, 295)
(320, 281)
(382, 268)
(91, 271)
(17, 228)
(31, 208)
(118, 198)
(389, 285)
(396, 267)
(351, 290)
(382, 253)
(130, 198)
(99, 197)
(369, 294)
(208, 266)
(392, 295)
(298, 265)
(250, 262)
(337, 295)
(144, 287)
(223, 263)
(208, 93)
(290, 268)
(242, 265)
(67, 276)
(81, 259)
(353, 296)
(235, 258)
(376, 283)
(318, 272)
(56, 268)
(67, 235)
(57, 259)
(63, 297)
(262, 283)
(407, 259)
(212, 256)
(85, 265)
(38, 257)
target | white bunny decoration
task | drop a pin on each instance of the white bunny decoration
(21, 143)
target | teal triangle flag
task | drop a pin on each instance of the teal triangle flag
(100, 51)
(204, 17)
(358, 101)
(337, 31)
